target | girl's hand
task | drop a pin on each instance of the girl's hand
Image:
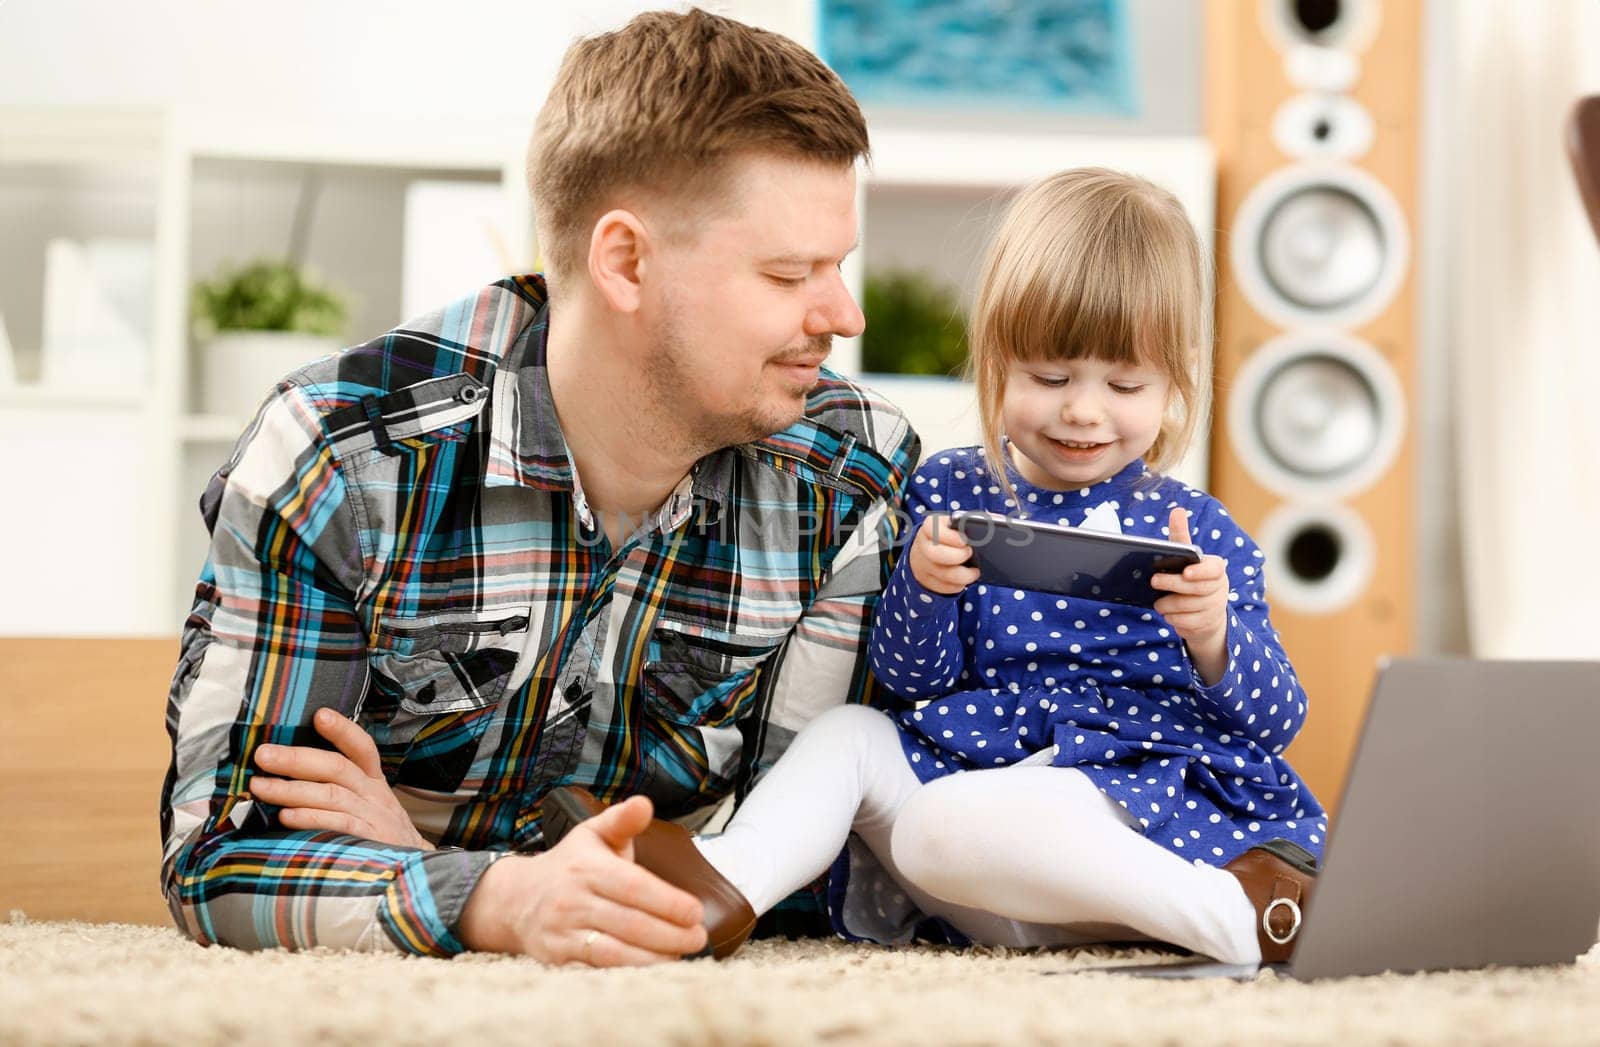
(1198, 606)
(939, 557)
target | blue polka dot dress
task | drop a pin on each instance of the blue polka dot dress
(1001, 675)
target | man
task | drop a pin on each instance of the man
(616, 529)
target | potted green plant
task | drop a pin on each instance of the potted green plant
(914, 351)
(258, 323)
(915, 326)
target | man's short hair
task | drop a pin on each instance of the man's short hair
(662, 104)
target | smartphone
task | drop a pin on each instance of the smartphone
(1052, 558)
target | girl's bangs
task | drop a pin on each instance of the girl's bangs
(1094, 311)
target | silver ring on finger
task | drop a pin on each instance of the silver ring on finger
(588, 947)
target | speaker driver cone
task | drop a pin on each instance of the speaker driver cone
(1319, 244)
(1318, 417)
(1316, 414)
(1322, 248)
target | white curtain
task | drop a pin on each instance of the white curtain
(1526, 323)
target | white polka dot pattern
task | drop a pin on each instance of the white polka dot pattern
(1107, 688)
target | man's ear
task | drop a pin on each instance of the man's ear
(617, 248)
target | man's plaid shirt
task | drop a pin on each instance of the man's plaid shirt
(399, 535)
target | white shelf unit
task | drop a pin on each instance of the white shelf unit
(78, 453)
(178, 159)
(229, 164)
(43, 397)
(206, 176)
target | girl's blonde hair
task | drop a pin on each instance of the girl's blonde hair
(1092, 263)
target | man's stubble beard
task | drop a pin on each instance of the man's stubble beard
(682, 422)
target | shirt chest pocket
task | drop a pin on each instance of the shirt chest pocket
(446, 663)
(697, 676)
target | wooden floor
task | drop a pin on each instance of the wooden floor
(83, 750)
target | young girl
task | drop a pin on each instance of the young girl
(1066, 770)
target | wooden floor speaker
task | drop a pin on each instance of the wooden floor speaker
(1312, 106)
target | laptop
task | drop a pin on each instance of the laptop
(1469, 832)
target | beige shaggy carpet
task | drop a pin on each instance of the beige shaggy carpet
(78, 983)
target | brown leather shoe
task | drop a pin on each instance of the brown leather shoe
(666, 849)
(1277, 877)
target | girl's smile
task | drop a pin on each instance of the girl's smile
(1075, 451)
(1073, 423)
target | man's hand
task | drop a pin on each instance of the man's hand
(342, 791)
(939, 557)
(585, 901)
(1198, 606)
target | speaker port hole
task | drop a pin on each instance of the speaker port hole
(1314, 552)
(1316, 16)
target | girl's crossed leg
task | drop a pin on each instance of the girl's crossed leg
(1021, 855)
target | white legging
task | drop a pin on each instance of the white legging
(1022, 855)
